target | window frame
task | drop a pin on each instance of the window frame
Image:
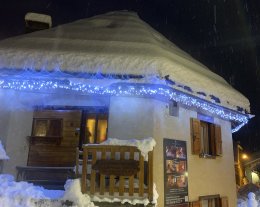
(48, 136)
(214, 139)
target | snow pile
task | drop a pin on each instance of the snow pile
(73, 193)
(144, 145)
(18, 194)
(132, 200)
(3, 155)
(23, 194)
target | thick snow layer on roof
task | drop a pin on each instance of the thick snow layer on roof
(115, 43)
(3, 155)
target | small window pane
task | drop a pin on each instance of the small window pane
(102, 129)
(40, 128)
(90, 130)
(55, 128)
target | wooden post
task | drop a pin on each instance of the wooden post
(131, 178)
(141, 175)
(93, 172)
(122, 178)
(150, 176)
(84, 171)
(102, 177)
(112, 177)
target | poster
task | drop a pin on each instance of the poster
(175, 173)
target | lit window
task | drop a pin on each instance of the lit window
(95, 127)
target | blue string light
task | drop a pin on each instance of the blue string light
(125, 89)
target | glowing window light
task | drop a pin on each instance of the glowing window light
(126, 89)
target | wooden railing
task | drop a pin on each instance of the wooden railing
(117, 169)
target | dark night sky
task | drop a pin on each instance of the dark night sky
(222, 34)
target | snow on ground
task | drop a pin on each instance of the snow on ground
(3, 155)
(23, 194)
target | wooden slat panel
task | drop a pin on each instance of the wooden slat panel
(84, 171)
(46, 154)
(102, 177)
(141, 175)
(93, 173)
(195, 136)
(150, 176)
(122, 178)
(131, 178)
(112, 177)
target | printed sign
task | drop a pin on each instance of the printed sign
(175, 173)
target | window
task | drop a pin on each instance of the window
(46, 130)
(94, 127)
(47, 127)
(206, 138)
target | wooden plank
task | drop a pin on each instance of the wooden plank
(150, 176)
(102, 177)
(84, 171)
(141, 175)
(112, 177)
(131, 178)
(122, 178)
(93, 173)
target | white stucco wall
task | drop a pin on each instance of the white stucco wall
(205, 176)
(140, 118)
(4, 120)
(130, 118)
(17, 146)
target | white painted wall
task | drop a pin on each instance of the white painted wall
(4, 120)
(140, 118)
(130, 118)
(17, 146)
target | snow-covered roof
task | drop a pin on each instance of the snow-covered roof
(116, 43)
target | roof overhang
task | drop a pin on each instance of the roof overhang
(114, 85)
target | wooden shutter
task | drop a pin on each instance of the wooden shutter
(224, 202)
(195, 136)
(218, 140)
(212, 140)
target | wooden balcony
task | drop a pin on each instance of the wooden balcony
(118, 171)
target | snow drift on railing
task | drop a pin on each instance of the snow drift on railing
(144, 145)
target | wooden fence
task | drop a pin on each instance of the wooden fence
(117, 169)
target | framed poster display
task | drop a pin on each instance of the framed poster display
(175, 173)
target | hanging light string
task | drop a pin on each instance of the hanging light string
(125, 89)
